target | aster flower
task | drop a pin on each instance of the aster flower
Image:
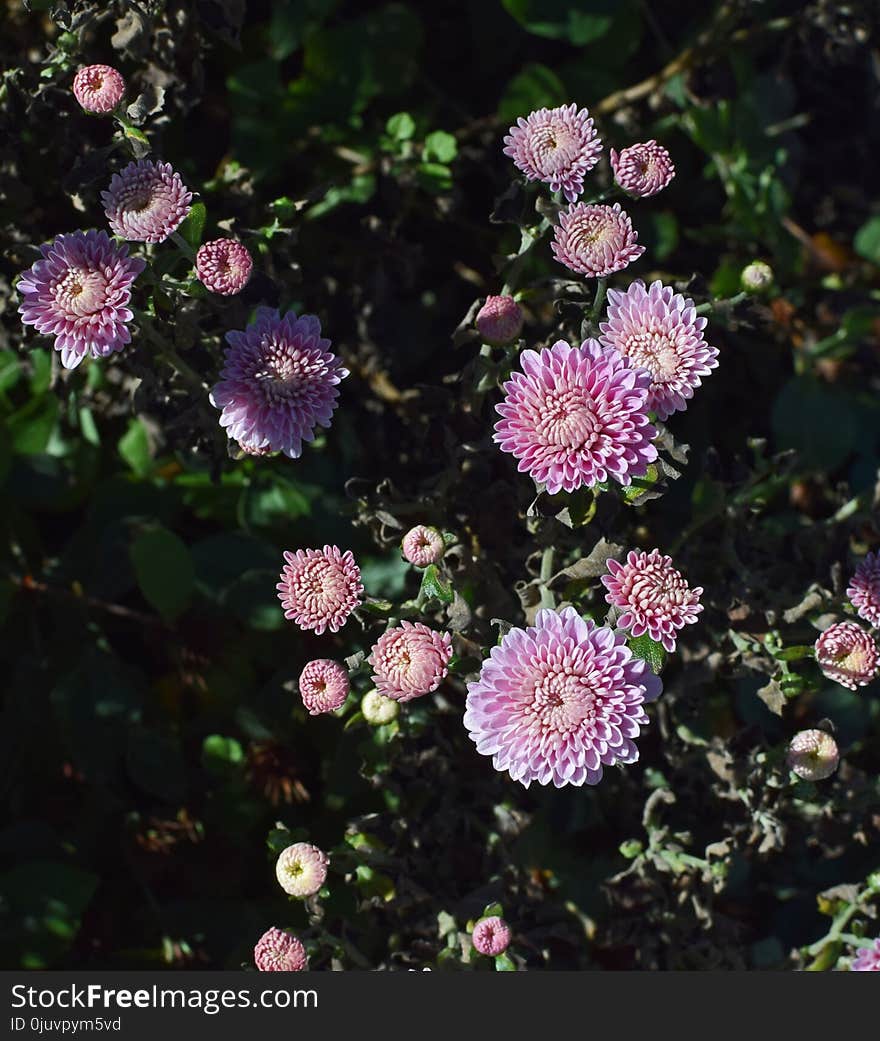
(422, 546)
(555, 145)
(146, 202)
(279, 951)
(410, 660)
(653, 596)
(278, 383)
(864, 589)
(98, 88)
(301, 869)
(595, 240)
(659, 330)
(847, 654)
(223, 266)
(378, 710)
(499, 321)
(812, 755)
(79, 292)
(558, 701)
(491, 936)
(323, 686)
(643, 169)
(319, 588)
(868, 959)
(577, 416)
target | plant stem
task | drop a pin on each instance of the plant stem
(547, 598)
(183, 245)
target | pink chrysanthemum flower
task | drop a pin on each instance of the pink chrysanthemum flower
(278, 951)
(868, 959)
(491, 936)
(557, 701)
(98, 88)
(146, 202)
(557, 146)
(499, 321)
(319, 588)
(410, 660)
(848, 655)
(659, 330)
(279, 382)
(323, 686)
(643, 169)
(79, 293)
(301, 869)
(812, 755)
(422, 546)
(652, 595)
(577, 416)
(864, 589)
(595, 240)
(223, 266)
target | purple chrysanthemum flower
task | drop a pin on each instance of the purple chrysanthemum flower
(864, 589)
(652, 595)
(557, 146)
(499, 321)
(301, 869)
(659, 330)
(146, 202)
(79, 293)
(279, 951)
(491, 936)
(577, 416)
(223, 266)
(595, 240)
(812, 755)
(323, 686)
(868, 959)
(278, 383)
(422, 546)
(848, 655)
(557, 701)
(320, 588)
(410, 660)
(98, 88)
(643, 169)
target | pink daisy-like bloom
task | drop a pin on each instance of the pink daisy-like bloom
(278, 384)
(812, 755)
(422, 546)
(410, 660)
(864, 589)
(323, 686)
(595, 240)
(223, 266)
(868, 959)
(659, 330)
(555, 145)
(847, 654)
(499, 321)
(577, 416)
(279, 951)
(643, 169)
(653, 596)
(319, 588)
(98, 88)
(301, 869)
(491, 936)
(556, 702)
(146, 202)
(79, 293)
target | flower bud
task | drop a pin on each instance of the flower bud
(756, 277)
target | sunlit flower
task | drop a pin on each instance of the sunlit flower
(577, 416)
(223, 266)
(595, 240)
(812, 755)
(323, 686)
(98, 88)
(301, 869)
(499, 321)
(864, 589)
(319, 588)
(146, 202)
(410, 660)
(555, 145)
(79, 293)
(491, 936)
(643, 169)
(556, 702)
(847, 654)
(868, 959)
(279, 951)
(422, 546)
(377, 709)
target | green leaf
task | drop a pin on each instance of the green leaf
(867, 240)
(194, 225)
(164, 570)
(10, 370)
(504, 964)
(535, 86)
(31, 428)
(41, 373)
(134, 447)
(648, 650)
(434, 176)
(401, 126)
(493, 911)
(815, 420)
(562, 19)
(434, 588)
(441, 147)
(221, 755)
